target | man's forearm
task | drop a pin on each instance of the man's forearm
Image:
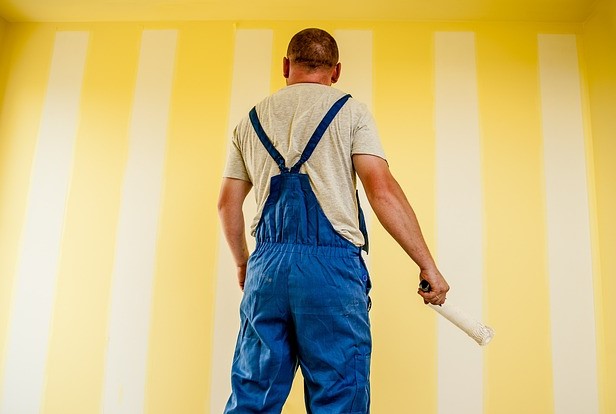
(232, 195)
(233, 228)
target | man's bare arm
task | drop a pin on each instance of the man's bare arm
(397, 217)
(233, 192)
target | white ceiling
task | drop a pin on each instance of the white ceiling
(319, 10)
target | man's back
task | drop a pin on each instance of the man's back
(289, 117)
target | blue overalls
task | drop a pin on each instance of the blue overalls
(305, 302)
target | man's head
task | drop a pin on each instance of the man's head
(312, 56)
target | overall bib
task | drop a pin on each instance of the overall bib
(305, 302)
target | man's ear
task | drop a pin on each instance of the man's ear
(285, 67)
(336, 72)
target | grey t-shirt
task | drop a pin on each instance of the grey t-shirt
(289, 118)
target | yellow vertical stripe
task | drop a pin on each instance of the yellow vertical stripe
(77, 348)
(599, 43)
(179, 358)
(404, 330)
(24, 70)
(518, 362)
(3, 25)
(3, 29)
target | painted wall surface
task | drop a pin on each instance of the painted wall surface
(3, 26)
(116, 291)
(2, 29)
(600, 51)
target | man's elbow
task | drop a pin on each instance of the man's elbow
(232, 195)
(380, 198)
(224, 203)
(224, 208)
(380, 188)
(229, 208)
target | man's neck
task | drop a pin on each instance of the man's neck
(315, 77)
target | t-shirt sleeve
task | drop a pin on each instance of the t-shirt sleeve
(235, 166)
(366, 137)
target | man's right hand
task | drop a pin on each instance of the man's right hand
(241, 275)
(438, 287)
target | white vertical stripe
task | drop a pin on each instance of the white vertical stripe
(251, 83)
(356, 78)
(459, 217)
(36, 274)
(134, 267)
(356, 59)
(574, 356)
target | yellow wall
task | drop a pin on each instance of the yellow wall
(518, 370)
(599, 46)
(2, 30)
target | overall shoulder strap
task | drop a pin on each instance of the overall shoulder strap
(267, 143)
(318, 133)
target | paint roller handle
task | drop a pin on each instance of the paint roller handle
(424, 285)
(433, 296)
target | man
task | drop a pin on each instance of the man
(306, 286)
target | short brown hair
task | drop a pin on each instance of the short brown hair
(313, 48)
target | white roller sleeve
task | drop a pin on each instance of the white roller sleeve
(481, 333)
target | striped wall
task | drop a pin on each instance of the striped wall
(132, 278)
(117, 292)
(37, 263)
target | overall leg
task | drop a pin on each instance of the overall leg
(333, 334)
(265, 358)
